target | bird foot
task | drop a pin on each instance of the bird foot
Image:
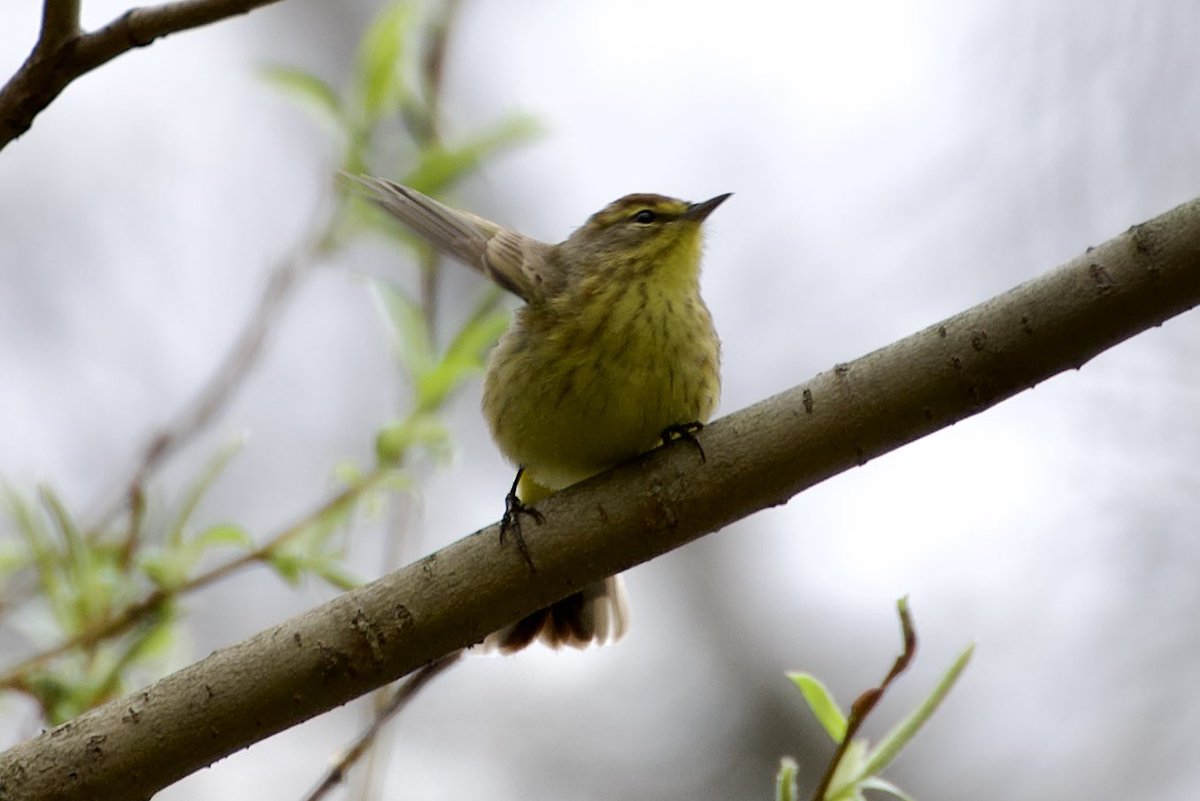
(687, 432)
(510, 523)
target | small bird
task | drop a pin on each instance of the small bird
(613, 354)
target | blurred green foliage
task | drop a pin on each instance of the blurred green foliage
(99, 608)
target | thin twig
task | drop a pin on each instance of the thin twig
(62, 54)
(221, 387)
(433, 65)
(426, 131)
(866, 702)
(399, 699)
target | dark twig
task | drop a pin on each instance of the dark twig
(433, 66)
(398, 700)
(425, 128)
(62, 53)
(866, 702)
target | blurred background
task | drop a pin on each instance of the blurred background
(892, 164)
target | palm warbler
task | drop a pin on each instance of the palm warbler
(613, 350)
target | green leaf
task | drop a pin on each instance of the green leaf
(442, 167)
(310, 93)
(391, 444)
(822, 704)
(435, 386)
(845, 786)
(56, 696)
(905, 730)
(39, 541)
(335, 515)
(471, 345)
(165, 571)
(464, 357)
(88, 574)
(379, 82)
(346, 473)
(332, 572)
(288, 564)
(149, 640)
(884, 786)
(13, 557)
(170, 565)
(785, 780)
(489, 301)
(410, 335)
(159, 639)
(223, 534)
(71, 537)
(394, 440)
(200, 487)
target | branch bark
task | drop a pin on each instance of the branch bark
(60, 22)
(62, 53)
(758, 457)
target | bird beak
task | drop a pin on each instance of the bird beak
(699, 211)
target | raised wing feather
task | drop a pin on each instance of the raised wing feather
(518, 263)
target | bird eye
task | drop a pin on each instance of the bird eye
(645, 216)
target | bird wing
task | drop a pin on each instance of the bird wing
(518, 263)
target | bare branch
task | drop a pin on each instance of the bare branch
(758, 457)
(62, 54)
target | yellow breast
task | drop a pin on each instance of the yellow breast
(579, 386)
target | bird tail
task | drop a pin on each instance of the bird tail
(515, 262)
(598, 613)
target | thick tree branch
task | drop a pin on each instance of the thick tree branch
(62, 53)
(758, 457)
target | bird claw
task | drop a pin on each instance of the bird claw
(687, 432)
(514, 507)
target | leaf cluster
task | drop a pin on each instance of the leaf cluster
(856, 766)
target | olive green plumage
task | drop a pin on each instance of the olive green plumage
(613, 346)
